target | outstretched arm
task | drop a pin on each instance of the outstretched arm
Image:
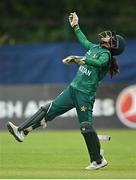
(103, 60)
(73, 19)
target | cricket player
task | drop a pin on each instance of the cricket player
(80, 94)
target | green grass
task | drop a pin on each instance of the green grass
(62, 154)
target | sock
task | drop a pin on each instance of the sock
(35, 126)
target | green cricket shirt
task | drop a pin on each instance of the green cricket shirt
(96, 65)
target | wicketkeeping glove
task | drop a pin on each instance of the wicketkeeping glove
(73, 19)
(74, 60)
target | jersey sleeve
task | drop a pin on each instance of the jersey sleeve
(82, 38)
(103, 60)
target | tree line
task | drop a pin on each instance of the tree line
(38, 21)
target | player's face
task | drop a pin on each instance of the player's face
(105, 42)
(106, 39)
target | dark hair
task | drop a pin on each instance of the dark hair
(114, 67)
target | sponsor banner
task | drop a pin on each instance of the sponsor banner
(126, 106)
(114, 107)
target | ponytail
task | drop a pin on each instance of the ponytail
(114, 67)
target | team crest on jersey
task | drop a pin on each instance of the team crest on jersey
(83, 108)
(95, 56)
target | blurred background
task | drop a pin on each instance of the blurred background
(34, 38)
(41, 21)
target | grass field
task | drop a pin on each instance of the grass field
(62, 154)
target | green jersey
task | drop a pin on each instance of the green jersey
(97, 60)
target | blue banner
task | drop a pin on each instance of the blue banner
(42, 63)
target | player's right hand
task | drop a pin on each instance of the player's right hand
(74, 60)
(73, 19)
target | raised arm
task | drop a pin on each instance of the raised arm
(73, 19)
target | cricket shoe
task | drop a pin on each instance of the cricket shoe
(94, 165)
(19, 135)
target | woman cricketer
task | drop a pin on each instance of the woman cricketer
(81, 92)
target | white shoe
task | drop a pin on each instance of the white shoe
(94, 164)
(19, 135)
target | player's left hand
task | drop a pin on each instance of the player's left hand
(74, 60)
(73, 19)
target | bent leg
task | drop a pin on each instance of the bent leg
(36, 118)
(60, 105)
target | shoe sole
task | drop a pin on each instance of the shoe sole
(12, 132)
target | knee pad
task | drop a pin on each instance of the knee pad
(46, 107)
(86, 127)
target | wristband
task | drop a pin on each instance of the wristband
(76, 27)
